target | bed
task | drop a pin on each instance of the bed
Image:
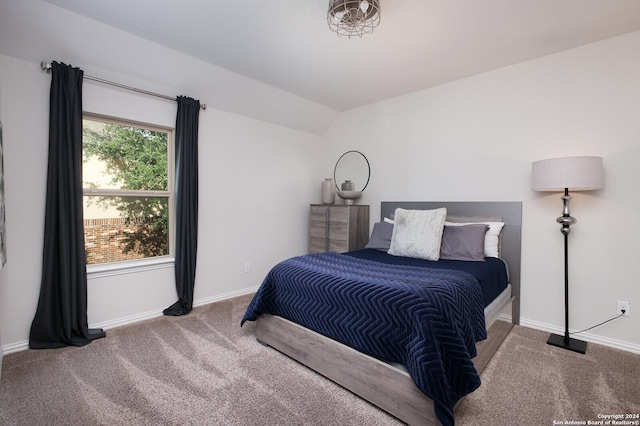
(352, 317)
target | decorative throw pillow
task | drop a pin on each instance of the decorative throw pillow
(380, 236)
(417, 233)
(491, 238)
(463, 242)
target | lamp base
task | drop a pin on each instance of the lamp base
(574, 344)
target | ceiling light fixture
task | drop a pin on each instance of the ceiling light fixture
(353, 17)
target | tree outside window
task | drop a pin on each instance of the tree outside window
(127, 190)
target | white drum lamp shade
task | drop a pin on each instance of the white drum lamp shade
(574, 173)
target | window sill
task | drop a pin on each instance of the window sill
(128, 267)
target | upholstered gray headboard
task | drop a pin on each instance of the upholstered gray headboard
(509, 211)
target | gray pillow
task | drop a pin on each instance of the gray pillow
(380, 236)
(463, 242)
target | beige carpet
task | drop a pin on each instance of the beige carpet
(528, 382)
(199, 369)
(203, 369)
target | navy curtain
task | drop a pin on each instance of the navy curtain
(61, 316)
(186, 196)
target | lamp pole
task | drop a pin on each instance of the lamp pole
(565, 341)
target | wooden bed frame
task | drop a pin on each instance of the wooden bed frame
(388, 387)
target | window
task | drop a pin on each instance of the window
(127, 188)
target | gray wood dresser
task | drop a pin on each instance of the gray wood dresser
(338, 228)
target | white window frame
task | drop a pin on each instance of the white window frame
(97, 270)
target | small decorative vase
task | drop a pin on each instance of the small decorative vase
(348, 185)
(328, 191)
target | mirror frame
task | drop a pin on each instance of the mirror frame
(368, 170)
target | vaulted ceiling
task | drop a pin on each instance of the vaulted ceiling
(418, 44)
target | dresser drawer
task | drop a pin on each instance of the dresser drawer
(338, 228)
(339, 215)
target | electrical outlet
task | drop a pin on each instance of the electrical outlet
(247, 267)
(624, 305)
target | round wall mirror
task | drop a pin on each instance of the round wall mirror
(352, 167)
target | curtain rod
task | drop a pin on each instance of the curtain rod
(47, 67)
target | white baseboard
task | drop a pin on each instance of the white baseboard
(15, 347)
(605, 341)
(225, 296)
(504, 317)
(132, 319)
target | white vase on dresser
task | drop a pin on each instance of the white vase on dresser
(328, 191)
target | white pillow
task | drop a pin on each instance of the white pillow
(417, 233)
(491, 238)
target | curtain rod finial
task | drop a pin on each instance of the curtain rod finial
(46, 66)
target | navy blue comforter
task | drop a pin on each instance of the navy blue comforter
(426, 319)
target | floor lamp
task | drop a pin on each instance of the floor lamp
(558, 174)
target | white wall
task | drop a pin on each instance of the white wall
(475, 139)
(256, 178)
